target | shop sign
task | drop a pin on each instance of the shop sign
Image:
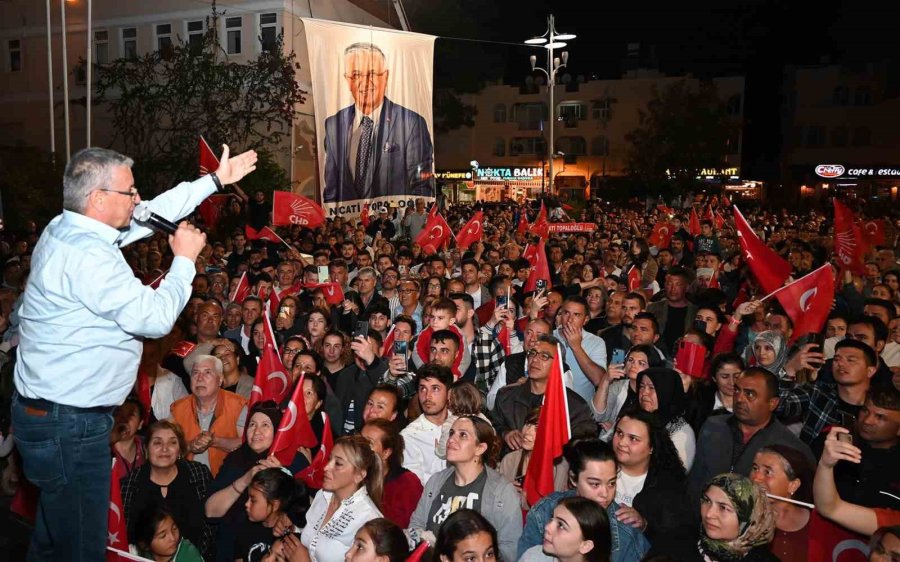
(453, 175)
(508, 174)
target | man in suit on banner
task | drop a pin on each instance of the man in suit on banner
(375, 147)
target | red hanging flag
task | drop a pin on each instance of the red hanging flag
(435, 232)
(720, 221)
(873, 232)
(634, 278)
(289, 209)
(522, 228)
(541, 226)
(694, 223)
(540, 269)
(708, 215)
(211, 209)
(553, 432)
(294, 431)
(829, 541)
(271, 381)
(208, 161)
(661, 235)
(471, 232)
(725, 201)
(314, 474)
(770, 269)
(242, 291)
(364, 216)
(808, 300)
(530, 254)
(848, 241)
(264, 233)
(116, 534)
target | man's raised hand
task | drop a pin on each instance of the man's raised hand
(233, 169)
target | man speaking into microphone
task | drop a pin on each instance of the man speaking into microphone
(82, 320)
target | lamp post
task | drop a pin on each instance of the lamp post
(551, 40)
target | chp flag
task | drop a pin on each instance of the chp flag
(289, 209)
(849, 245)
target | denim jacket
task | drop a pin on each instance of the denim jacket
(628, 543)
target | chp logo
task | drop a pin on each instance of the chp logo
(829, 170)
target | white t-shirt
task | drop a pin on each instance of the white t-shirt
(627, 487)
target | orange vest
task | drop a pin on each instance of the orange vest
(224, 422)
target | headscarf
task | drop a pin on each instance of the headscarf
(670, 396)
(776, 340)
(756, 521)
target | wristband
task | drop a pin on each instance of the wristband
(235, 489)
(216, 181)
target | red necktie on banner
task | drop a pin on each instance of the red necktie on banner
(471, 232)
(289, 209)
(541, 226)
(848, 241)
(314, 474)
(553, 432)
(770, 269)
(435, 232)
(540, 269)
(808, 301)
(208, 161)
(294, 431)
(271, 381)
(117, 535)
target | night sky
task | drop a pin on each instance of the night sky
(754, 38)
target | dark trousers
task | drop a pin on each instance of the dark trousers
(66, 453)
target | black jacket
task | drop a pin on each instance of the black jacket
(673, 520)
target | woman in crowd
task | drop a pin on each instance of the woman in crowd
(769, 351)
(129, 449)
(163, 386)
(596, 299)
(783, 471)
(660, 391)
(716, 398)
(577, 532)
(158, 537)
(272, 495)
(464, 399)
(402, 488)
(736, 522)
(317, 324)
(168, 479)
(618, 391)
(594, 470)
(471, 449)
(639, 256)
(651, 489)
(379, 540)
(467, 536)
(289, 321)
(432, 287)
(257, 343)
(515, 463)
(234, 374)
(350, 494)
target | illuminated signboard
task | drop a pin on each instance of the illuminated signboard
(830, 171)
(508, 174)
(453, 175)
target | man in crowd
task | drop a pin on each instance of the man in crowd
(433, 382)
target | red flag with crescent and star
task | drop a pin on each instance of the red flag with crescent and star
(364, 216)
(471, 232)
(541, 226)
(872, 232)
(634, 278)
(720, 221)
(540, 269)
(211, 209)
(242, 291)
(289, 209)
(314, 474)
(848, 240)
(116, 529)
(271, 381)
(435, 232)
(829, 541)
(294, 431)
(770, 269)
(726, 202)
(694, 223)
(208, 161)
(808, 300)
(661, 235)
(332, 291)
(522, 228)
(264, 233)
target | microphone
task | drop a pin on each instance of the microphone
(143, 214)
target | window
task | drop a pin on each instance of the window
(195, 32)
(164, 37)
(268, 31)
(129, 42)
(862, 136)
(15, 55)
(600, 146)
(572, 146)
(840, 95)
(839, 136)
(600, 109)
(499, 147)
(233, 35)
(527, 145)
(815, 135)
(499, 113)
(530, 116)
(570, 112)
(101, 47)
(733, 107)
(863, 96)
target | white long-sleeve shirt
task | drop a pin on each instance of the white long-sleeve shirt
(419, 457)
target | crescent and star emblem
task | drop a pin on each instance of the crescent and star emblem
(292, 409)
(280, 376)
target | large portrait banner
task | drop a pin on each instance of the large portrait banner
(372, 95)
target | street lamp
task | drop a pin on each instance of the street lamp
(551, 40)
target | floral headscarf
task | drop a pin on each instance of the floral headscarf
(756, 521)
(774, 339)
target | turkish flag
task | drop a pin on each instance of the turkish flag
(829, 541)
(694, 224)
(211, 209)
(720, 221)
(503, 338)
(634, 278)
(522, 228)
(471, 232)
(541, 226)
(364, 216)
(661, 235)
(242, 291)
(289, 209)
(294, 431)
(769, 268)
(333, 292)
(183, 348)
(116, 531)
(435, 232)
(540, 268)
(873, 232)
(725, 201)
(314, 474)
(848, 240)
(530, 254)
(388, 348)
(208, 161)
(808, 300)
(714, 202)
(553, 432)
(264, 233)
(271, 381)
(708, 215)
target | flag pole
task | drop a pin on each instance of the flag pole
(779, 289)
(789, 500)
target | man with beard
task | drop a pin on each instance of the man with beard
(433, 383)
(514, 367)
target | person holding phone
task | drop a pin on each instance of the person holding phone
(618, 391)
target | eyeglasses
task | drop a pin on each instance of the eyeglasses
(288, 351)
(407, 291)
(357, 76)
(542, 354)
(131, 193)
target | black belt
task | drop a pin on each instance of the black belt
(47, 406)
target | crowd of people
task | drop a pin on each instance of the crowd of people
(434, 415)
